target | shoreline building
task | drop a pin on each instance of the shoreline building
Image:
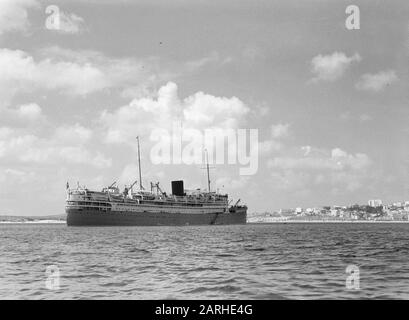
(375, 203)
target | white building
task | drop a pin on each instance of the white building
(333, 212)
(375, 203)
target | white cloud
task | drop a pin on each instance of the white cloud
(364, 117)
(80, 155)
(204, 111)
(253, 53)
(72, 72)
(70, 23)
(81, 72)
(130, 173)
(376, 82)
(333, 66)
(290, 180)
(350, 181)
(198, 111)
(306, 150)
(127, 72)
(5, 132)
(31, 111)
(23, 115)
(268, 146)
(14, 15)
(274, 143)
(74, 133)
(279, 130)
(212, 58)
(16, 177)
(232, 183)
(62, 146)
(336, 159)
(348, 116)
(338, 153)
(19, 71)
(311, 167)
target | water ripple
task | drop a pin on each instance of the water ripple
(281, 261)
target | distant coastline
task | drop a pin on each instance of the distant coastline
(325, 221)
(263, 219)
(53, 219)
(34, 222)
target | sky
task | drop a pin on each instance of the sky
(329, 104)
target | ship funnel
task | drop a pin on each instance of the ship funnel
(177, 188)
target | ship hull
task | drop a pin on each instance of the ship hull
(89, 217)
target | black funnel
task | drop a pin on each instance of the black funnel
(177, 188)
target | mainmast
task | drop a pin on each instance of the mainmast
(139, 165)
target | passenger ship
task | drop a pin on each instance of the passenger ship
(111, 207)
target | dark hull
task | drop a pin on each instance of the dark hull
(107, 218)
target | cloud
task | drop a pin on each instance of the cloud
(268, 146)
(289, 180)
(310, 167)
(134, 77)
(82, 72)
(336, 159)
(348, 116)
(29, 115)
(205, 110)
(364, 117)
(306, 150)
(232, 183)
(76, 133)
(279, 130)
(15, 178)
(274, 142)
(212, 58)
(31, 111)
(80, 155)
(130, 173)
(65, 145)
(252, 53)
(20, 72)
(14, 15)
(70, 23)
(332, 67)
(74, 73)
(376, 82)
(198, 111)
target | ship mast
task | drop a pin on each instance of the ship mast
(139, 165)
